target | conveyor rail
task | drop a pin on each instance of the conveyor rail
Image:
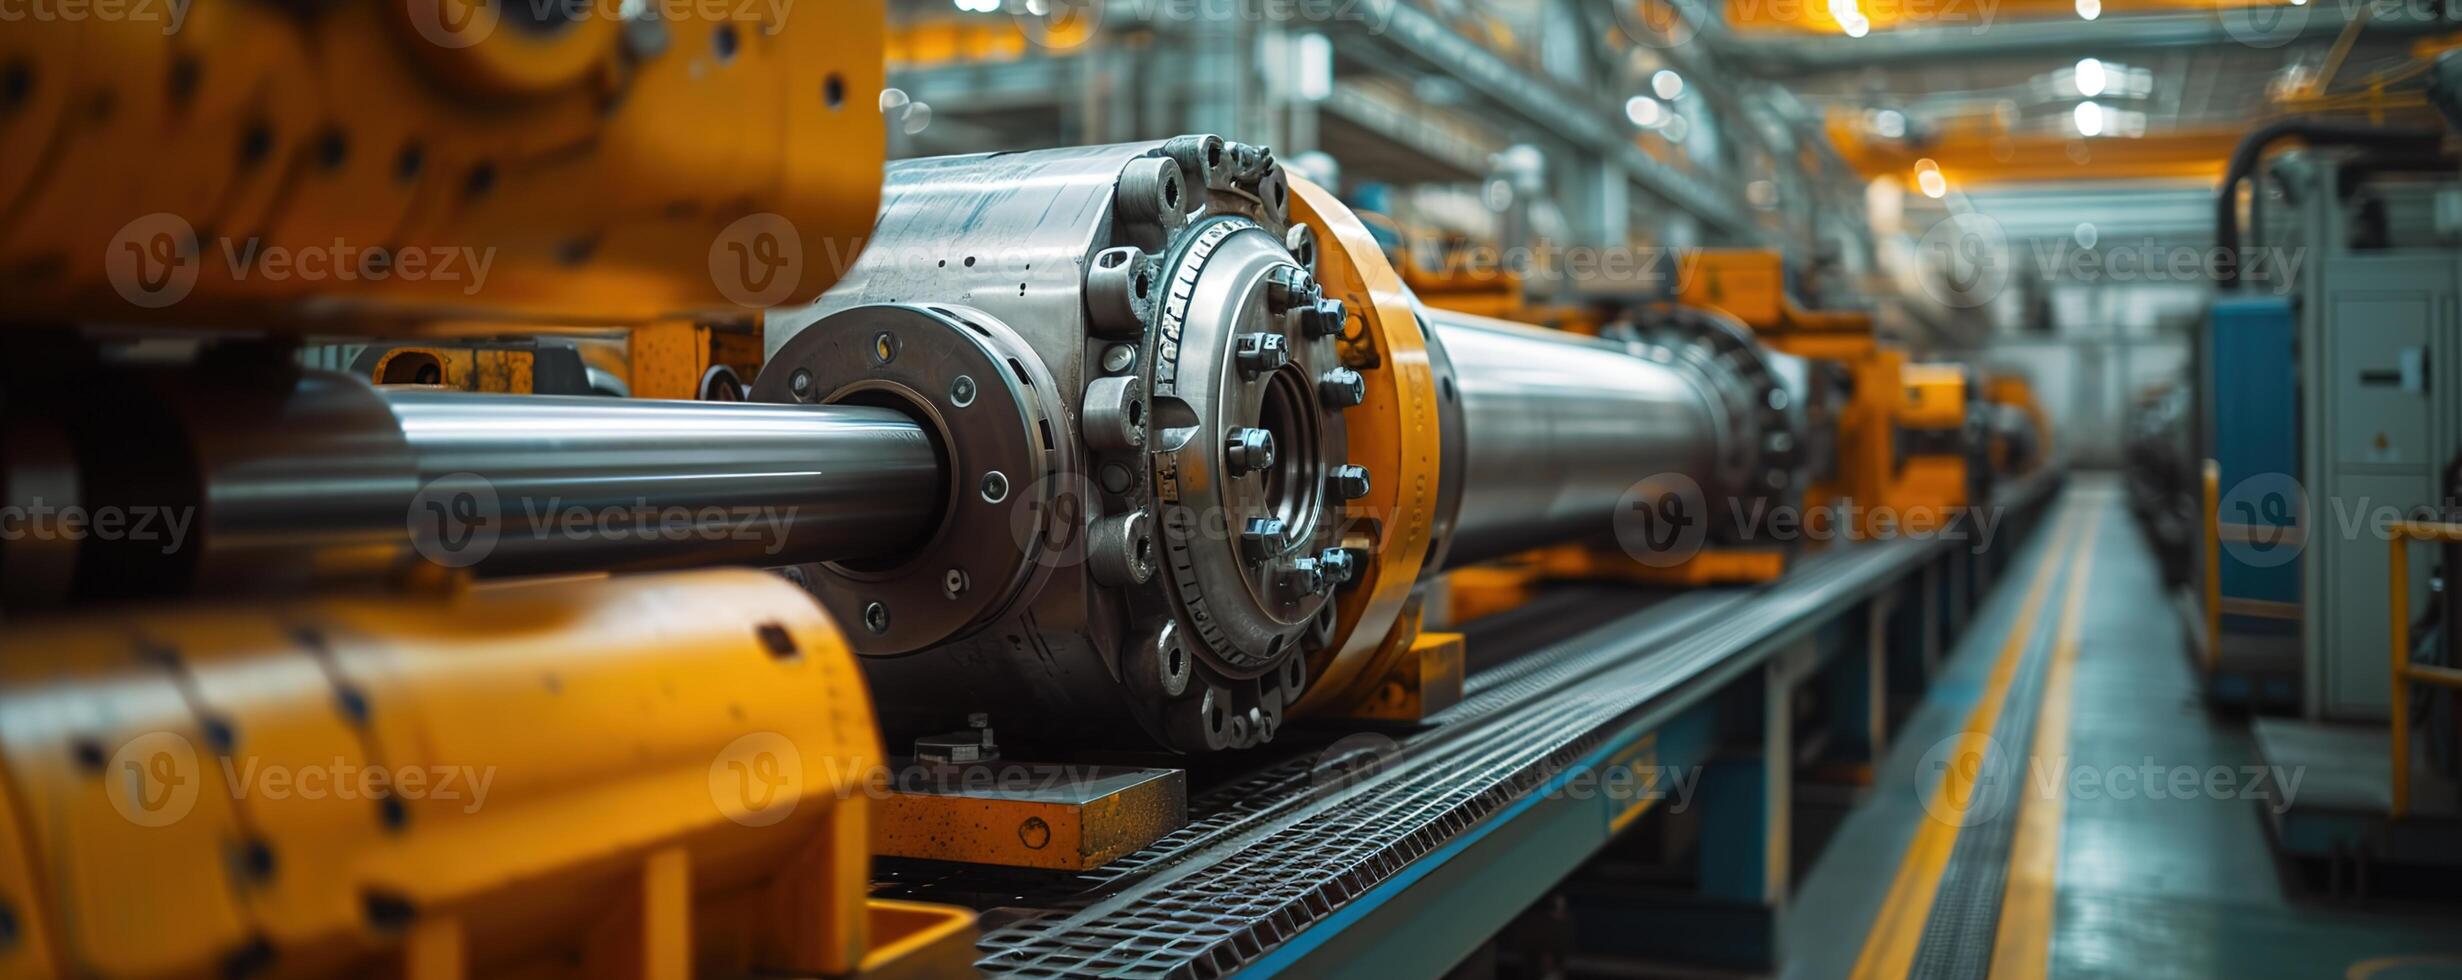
(1269, 855)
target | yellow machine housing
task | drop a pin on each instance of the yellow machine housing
(269, 164)
(636, 776)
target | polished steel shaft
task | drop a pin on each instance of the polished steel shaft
(1556, 428)
(600, 483)
(270, 480)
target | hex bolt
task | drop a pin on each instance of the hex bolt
(962, 391)
(1306, 574)
(1264, 532)
(1325, 318)
(1340, 564)
(953, 582)
(1349, 481)
(1248, 450)
(876, 618)
(800, 383)
(1263, 353)
(1289, 288)
(995, 487)
(1342, 388)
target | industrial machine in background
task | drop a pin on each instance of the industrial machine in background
(2325, 419)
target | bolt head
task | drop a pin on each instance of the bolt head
(1247, 450)
(1339, 564)
(1290, 288)
(1264, 532)
(1263, 353)
(1306, 575)
(1350, 481)
(1119, 357)
(1342, 388)
(1324, 318)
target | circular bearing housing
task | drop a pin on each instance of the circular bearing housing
(1156, 374)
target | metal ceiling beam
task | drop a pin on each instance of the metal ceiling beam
(2248, 26)
(1582, 122)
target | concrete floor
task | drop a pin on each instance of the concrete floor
(2131, 884)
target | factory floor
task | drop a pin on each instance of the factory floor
(2152, 860)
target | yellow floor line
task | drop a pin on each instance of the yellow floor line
(1890, 948)
(2023, 947)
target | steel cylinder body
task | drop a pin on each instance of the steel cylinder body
(1557, 428)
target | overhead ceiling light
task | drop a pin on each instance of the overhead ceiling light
(1857, 27)
(1932, 184)
(2089, 117)
(1645, 111)
(1667, 84)
(2090, 77)
(2090, 9)
(1889, 123)
(1315, 57)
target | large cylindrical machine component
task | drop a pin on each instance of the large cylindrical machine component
(1559, 431)
(1169, 449)
(270, 480)
(1558, 428)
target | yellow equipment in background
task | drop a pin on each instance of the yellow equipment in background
(1899, 464)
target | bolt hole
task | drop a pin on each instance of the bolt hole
(779, 642)
(1175, 661)
(833, 91)
(723, 43)
(1145, 284)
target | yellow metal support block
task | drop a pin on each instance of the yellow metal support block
(917, 939)
(1485, 590)
(1718, 566)
(1056, 817)
(1426, 679)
